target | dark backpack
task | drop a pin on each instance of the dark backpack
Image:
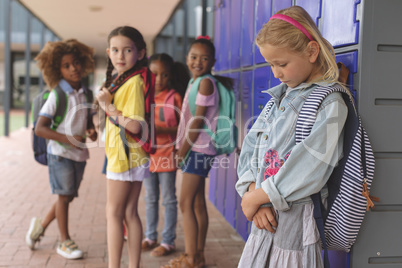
(349, 184)
(39, 144)
(147, 136)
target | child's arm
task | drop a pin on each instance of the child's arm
(197, 123)
(251, 202)
(265, 218)
(166, 130)
(42, 129)
(105, 102)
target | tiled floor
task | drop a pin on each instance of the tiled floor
(25, 192)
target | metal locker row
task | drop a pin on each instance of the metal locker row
(237, 23)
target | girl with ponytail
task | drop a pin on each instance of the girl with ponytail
(127, 164)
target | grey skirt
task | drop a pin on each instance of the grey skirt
(295, 244)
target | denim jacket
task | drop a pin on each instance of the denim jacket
(290, 173)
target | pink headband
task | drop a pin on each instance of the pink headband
(294, 23)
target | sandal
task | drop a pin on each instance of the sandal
(148, 244)
(162, 250)
(178, 262)
(182, 260)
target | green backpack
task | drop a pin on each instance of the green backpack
(224, 137)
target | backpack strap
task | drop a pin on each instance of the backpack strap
(149, 92)
(61, 107)
(192, 96)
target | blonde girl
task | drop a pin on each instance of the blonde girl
(124, 172)
(276, 176)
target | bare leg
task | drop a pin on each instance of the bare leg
(62, 205)
(50, 216)
(133, 225)
(117, 196)
(191, 185)
(201, 213)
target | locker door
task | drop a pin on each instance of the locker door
(313, 7)
(213, 174)
(225, 36)
(246, 95)
(231, 194)
(242, 224)
(339, 25)
(261, 83)
(247, 37)
(281, 4)
(220, 183)
(235, 34)
(263, 11)
(379, 242)
(218, 38)
(349, 59)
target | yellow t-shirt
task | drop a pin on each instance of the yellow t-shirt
(129, 99)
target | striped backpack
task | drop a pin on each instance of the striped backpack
(349, 184)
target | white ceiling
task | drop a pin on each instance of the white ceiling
(90, 21)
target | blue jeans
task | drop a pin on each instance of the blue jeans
(167, 182)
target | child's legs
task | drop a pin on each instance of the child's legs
(152, 205)
(117, 195)
(168, 188)
(62, 205)
(65, 178)
(201, 213)
(190, 187)
(133, 225)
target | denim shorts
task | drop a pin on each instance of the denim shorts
(198, 164)
(65, 175)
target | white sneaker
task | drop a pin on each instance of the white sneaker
(69, 250)
(35, 232)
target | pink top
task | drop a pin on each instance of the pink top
(203, 143)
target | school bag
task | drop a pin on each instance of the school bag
(169, 112)
(224, 137)
(39, 144)
(350, 182)
(147, 136)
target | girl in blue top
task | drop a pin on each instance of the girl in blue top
(276, 176)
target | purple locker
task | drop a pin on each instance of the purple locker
(261, 83)
(246, 84)
(230, 200)
(313, 7)
(338, 259)
(281, 4)
(247, 29)
(339, 25)
(220, 184)
(349, 59)
(242, 224)
(225, 39)
(235, 25)
(213, 174)
(218, 38)
(263, 11)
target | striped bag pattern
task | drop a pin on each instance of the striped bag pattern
(346, 204)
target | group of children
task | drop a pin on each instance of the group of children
(282, 235)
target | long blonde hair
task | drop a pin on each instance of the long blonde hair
(281, 34)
